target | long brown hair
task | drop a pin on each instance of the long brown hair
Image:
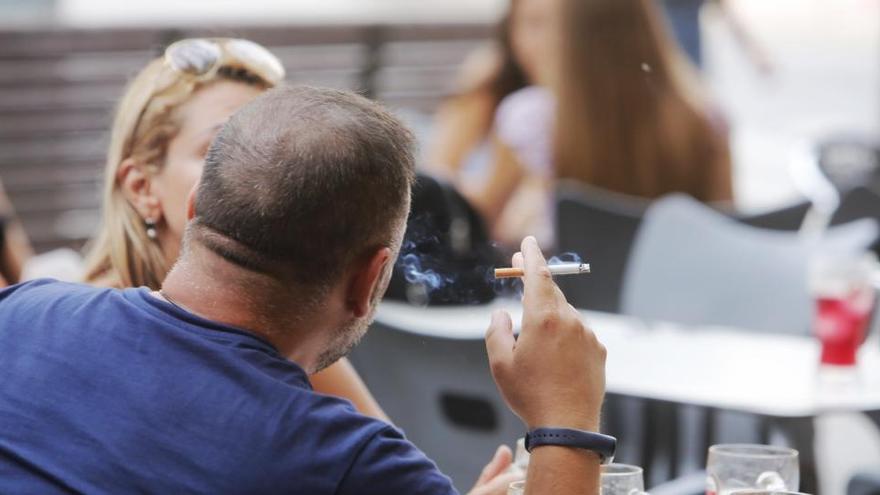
(631, 117)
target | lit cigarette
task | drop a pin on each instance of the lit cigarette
(560, 269)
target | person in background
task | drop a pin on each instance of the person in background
(460, 144)
(623, 112)
(15, 247)
(201, 386)
(163, 126)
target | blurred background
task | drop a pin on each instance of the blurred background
(66, 61)
(794, 83)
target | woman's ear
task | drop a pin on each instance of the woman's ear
(136, 184)
(191, 203)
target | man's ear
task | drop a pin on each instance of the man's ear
(191, 203)
(366, 280)
(136, 185)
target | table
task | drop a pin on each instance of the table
(773, 376)
(770, 375)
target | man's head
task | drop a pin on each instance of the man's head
(309, 188)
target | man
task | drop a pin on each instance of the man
(203, 386)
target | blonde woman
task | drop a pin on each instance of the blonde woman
(163, 127)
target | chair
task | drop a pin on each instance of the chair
(864, 483)
(441, 393)
(787, 218)
(693, 265)
(860, 202)
(600, 226)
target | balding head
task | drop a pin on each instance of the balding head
(303, 181)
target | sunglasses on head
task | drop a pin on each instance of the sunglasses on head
(201, 57)
(194, 60)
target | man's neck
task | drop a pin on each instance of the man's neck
(212, 288)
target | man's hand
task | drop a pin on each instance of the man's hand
(493, 480)
(554, 374)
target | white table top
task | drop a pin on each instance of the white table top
(774, 375)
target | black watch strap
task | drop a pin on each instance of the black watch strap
(603, 445)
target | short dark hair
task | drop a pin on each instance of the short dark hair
(301, 181)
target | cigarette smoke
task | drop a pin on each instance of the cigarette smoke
(435, 274)
(415, 273)
(565, 258)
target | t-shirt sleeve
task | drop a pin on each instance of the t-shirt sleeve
(524, 122)
(389, 463)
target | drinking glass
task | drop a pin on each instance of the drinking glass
(616, 479)
(740, 466)
(765, 492)
(841, 285)
(622, 479)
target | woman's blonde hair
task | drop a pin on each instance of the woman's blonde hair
(122, 255)
(631, 117)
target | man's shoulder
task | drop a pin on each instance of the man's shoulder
(47, 288)
(64, 303)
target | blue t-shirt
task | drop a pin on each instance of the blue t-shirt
(108, 391)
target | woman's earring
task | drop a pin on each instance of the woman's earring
(151, 229)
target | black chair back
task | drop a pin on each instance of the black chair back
(600, 226)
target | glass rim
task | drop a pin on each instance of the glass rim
(759, 491)
(517, 484)
(625, 470)
(753, 450)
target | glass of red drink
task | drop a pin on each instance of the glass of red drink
(844, 294)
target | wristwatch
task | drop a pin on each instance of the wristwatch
(603, 445)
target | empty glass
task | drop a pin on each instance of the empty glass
(616, 479)
(742, 467)
(622, 479)
(764, 492)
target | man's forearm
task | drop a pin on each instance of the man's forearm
(562, 471)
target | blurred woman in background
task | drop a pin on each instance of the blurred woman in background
(511, 62)
(164, 125)
(624, 112)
